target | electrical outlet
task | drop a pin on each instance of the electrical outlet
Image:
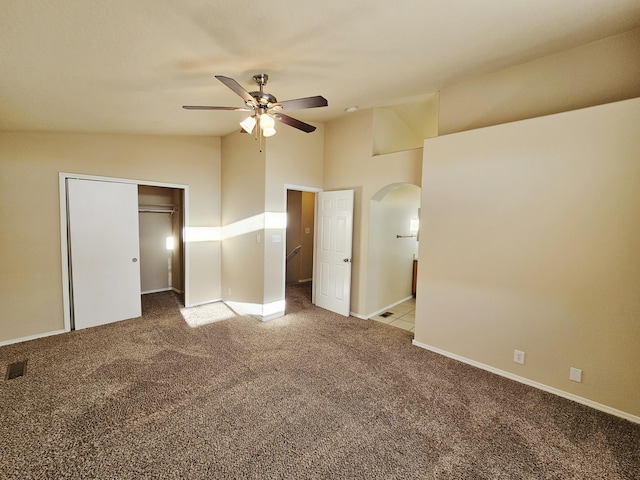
(518, 357)
(575, 374)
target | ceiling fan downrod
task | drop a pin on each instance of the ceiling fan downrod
(261, 79)
(264, 100)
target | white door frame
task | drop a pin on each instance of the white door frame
(64, 239)
(300, 188)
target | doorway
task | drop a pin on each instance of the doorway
(161, 228)
(392, 254)
(299, 248)
(330, 285)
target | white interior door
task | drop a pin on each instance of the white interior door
(104, 251)
(334, 246)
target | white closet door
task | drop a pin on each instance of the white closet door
(104, 248)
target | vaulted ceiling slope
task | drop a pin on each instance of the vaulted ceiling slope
(123, 66)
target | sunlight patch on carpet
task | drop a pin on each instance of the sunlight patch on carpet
(205, 314)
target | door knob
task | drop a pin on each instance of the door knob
(346, 260)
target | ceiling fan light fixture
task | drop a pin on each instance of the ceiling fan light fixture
(268, 132)
(267, 122)
(248, 124)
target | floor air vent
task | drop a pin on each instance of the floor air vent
(16, 369)
(386, 314)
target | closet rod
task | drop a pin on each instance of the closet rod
(155, 210)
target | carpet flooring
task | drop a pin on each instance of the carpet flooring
(311, 395)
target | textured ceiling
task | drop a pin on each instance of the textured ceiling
(129, 66)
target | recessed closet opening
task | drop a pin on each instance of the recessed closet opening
(161, 226)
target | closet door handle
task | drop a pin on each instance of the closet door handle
(134, 260)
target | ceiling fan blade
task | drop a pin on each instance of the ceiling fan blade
(236, 87)
(307, 102)
(207, 107)
(295, 123)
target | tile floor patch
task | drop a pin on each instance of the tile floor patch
(402, 315)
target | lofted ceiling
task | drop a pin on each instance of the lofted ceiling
(129, 66)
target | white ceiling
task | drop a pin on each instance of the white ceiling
(129, 65)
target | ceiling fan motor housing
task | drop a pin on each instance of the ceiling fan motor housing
(263, 98)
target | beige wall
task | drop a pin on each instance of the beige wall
(391, 134)
(600, 72)
(419, 116)
(243, 192)
(254, 183)
(31, 289)
(293, 158)
(530, 235)
(348, 143)
(592, 74)
(349, 165)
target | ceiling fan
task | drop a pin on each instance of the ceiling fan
(265, 107)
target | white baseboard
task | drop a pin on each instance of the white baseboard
(382, 310)
(206, 302)
(262, 312)
(157, 290)
(31, 337)
(531, 383)
(378, 312)
(273, 316)
(167, 289)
